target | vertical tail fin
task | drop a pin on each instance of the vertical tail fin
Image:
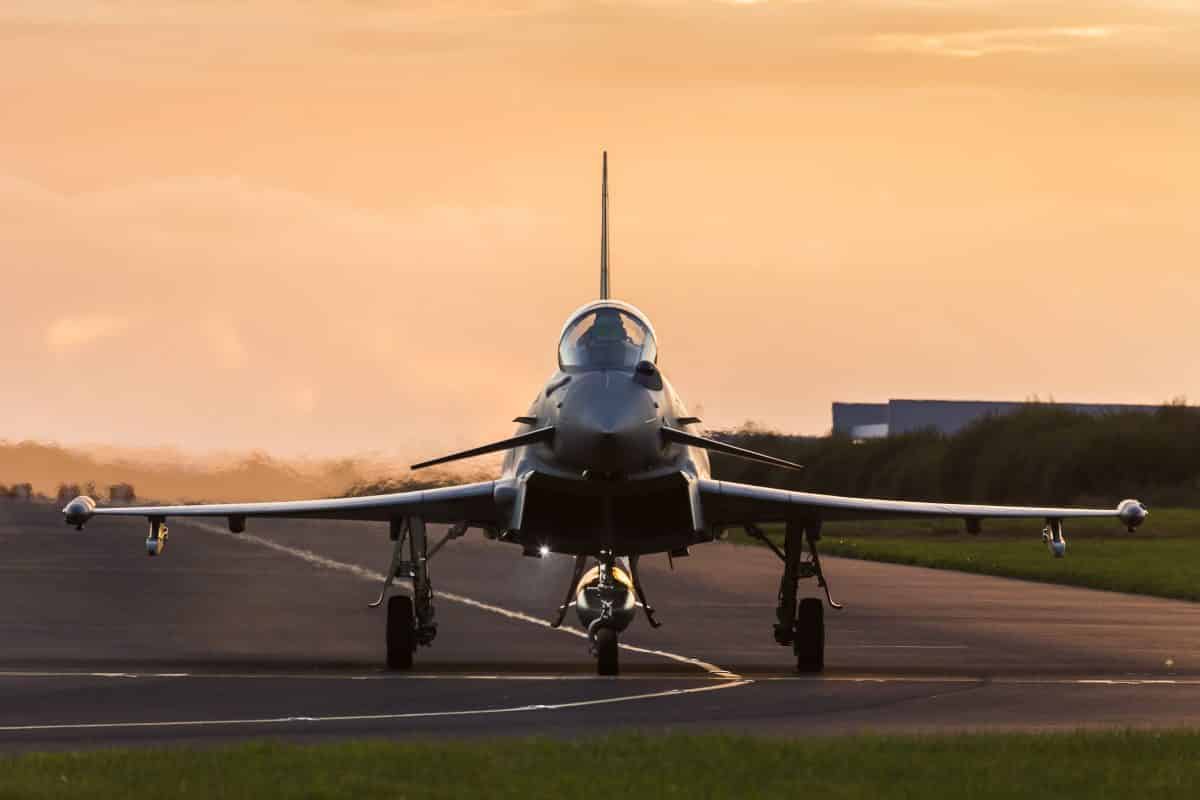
(604, 228)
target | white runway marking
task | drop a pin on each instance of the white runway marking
(380, 676)
(1004, 680)
(474, 712)
(353, 569)
(984, 680)
(898, 646)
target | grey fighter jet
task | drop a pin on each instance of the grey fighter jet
(607, 466)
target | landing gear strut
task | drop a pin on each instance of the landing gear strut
(602, 632)
(572, 587)
(635, 577)
(801, 626)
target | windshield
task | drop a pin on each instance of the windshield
(606, 338)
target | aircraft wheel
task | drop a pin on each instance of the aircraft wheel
(606, 652)
(809, 644)
(401, 633)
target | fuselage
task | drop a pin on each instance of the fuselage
(608, 402)
(607, 417)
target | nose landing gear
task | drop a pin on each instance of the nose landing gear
(606, 600)
(610, 598)
(604, 645)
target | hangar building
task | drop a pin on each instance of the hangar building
(876, 420)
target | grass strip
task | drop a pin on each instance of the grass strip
(1161, 568)
(1162, 559)
(1073, 765)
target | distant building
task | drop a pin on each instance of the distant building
(861, 420)
(876, 420)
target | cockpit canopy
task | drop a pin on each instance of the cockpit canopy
(606, 336)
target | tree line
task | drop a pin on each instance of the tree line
(1041, 454)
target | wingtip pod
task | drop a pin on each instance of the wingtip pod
(79, 511)
(1132, 514)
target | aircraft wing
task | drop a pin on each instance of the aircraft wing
(473, 502)
(727, 503)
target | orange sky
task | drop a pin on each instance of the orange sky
(333, 227)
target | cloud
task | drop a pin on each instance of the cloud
(221, 292)
(70, 334)
(228, 348)
(980, 43)
(302, 400)
(272, 48)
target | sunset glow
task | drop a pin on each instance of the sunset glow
(335, 228)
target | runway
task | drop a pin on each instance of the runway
(268, 634)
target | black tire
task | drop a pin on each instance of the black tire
(401, 633)
(607, 662)
(809, 644)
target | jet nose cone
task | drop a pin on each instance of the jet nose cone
(608, 419)
(607, 424)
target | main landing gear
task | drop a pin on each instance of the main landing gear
(411, 620)
(800, 625)
(401, 632)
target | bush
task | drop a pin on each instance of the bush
(410, 483)
(1042, 454)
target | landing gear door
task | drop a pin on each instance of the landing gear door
(512, 494)
(694, 504)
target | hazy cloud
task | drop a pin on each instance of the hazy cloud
(976, 44)
(68, 334)
(302, 400)
(228, 349)
(234, 282)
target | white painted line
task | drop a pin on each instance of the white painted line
(197, 723)
(559, 677)
(379, 676)
(341, 566)
(983, 680)
(1129, 682)
(898, 647)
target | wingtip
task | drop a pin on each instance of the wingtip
(1132, 513)
(79, 511)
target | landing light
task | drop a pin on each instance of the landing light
(543, 551)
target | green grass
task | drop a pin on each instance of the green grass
(1163, 522)
(1164, 567)
(1161, 559)
(1073, 765)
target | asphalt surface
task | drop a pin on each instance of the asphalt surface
(268, 634)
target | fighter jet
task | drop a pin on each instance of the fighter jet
(606, 465)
